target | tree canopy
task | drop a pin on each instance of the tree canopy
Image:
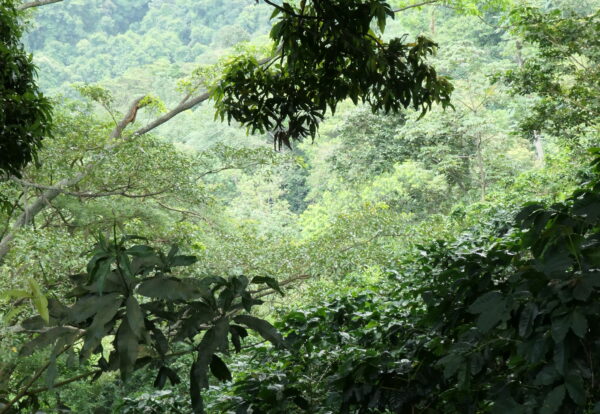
(433, 250)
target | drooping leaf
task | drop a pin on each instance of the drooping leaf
(88, 306)
(135, 317)
(560, 327)
(211, 341)
(219, 369)
(262, 327)
(183, 261)
(46, 338)
(127, 348)
(528, 315)
(575, 387)
(553, 400)
(269, 281)
(579, 324)
(168, 288)
(39, 300)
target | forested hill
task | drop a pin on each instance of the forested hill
(90, 41)
(315, 206)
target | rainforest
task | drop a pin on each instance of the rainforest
(300, 206)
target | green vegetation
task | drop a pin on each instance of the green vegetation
(431, 247)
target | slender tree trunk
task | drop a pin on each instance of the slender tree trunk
(539, 148)
(432, 22)
(481, 167)
(519, 55)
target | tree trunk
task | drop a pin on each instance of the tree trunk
(539, 148)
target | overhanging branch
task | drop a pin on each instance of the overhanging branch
(425, 3)
(37, 3)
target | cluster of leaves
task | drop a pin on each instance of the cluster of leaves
(131, 311)
(328, 52)
(24, 112)
(564, 71)
(503, 322)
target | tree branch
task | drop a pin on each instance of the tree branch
(425, 3)
(88, 194)
(36, 3)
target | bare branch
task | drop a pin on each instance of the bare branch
(88, 194)
(425, 3)
(36, 3)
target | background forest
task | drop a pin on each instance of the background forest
(445, 263)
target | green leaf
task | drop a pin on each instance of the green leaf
(528, 315)
(553, 400)
(39, 300)
(583, 289)
(88, 306)
(579, 324)
(100, 271)
(237, 332)
(547, 376)
(46, 338)
(560, 327)
(51, 373)
(485, 301)
(219, 369)
(196, 375)
(575, 388)
(264, 328)
(161, 380)
(171, 289)
(212, 340)
(269, 281)
(14, 294)
(140, 250)
(106, 312)
(135, 317)
(127, 348)
(507, 405)
(183, 261)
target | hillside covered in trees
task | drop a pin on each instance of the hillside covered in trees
(315, 206)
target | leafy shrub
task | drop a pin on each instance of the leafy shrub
(503, 322)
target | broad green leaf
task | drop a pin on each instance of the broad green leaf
(583, 289)
(14, 294)
(560, 327)
(219, 369)
(183, 261)
(547, 376)
(579, 324)
(485, 301)
(269, 281)
(135, 317)
(167, 288)
(528, 315)
(87, 307)
(140, 250)
(46, 338)
(575, 388)
(127, 348)
(51, 373)
(553, 400)
(262, 327)
(211, 341)
(507, 405)
(8, 317)
(39, 300)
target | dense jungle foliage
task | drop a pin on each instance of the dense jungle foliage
(315, 206)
